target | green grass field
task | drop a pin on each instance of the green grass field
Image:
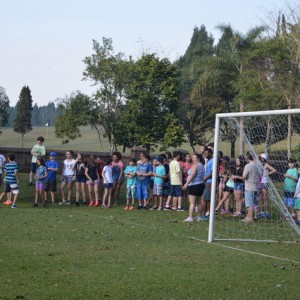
(92, 253)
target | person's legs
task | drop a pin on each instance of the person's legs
(78, 189)
(192, 200)
(62, 189)
(96, 193)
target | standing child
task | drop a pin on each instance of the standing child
(50, 184)
(80, 180)
(159, 178)
(130, 174)
(107, 183)
(144, 174)
(41, 175)
(118, 175)
(38, 150)
(68, 177)
(290, 182)
(2, 162)
(11, 179)
(297, 201)
(92, 175)
(176, 191)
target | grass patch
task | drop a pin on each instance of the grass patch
(91, 253)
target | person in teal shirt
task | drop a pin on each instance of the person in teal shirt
(290, 183)
(130, 174)
(159, 177)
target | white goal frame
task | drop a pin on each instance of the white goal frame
(216, 149)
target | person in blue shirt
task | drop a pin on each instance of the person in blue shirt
(144, 174)
(205, 203)
(130, 174)
(50, 182)
(159, 177)
(41, 175)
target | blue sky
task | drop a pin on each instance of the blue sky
(43, 43)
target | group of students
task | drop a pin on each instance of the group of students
(162, 183)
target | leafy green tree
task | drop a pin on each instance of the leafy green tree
(108, 71)
(77, 110)
(148, 117)
(194, 113)
(22, 122)
(4, 107)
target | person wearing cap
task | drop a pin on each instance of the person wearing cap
(50, 183)
(160, 175)
(264, 186)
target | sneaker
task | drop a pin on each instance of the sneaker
(167, 208)
(160, 208)
(224, 212)
(205, 218)
(84, 203)
(44, 204)
(30, 183)
(35, 205)
(179, 209)
(91, 203)
(140, 206)
(154, 208)
(77, 203)
(68, 203)
(246, 220)
(198, 219)
(14, 206)
(96, 204)
(131, 207)
(189, 220)
(261, 214)
(126, 207)
(8, 202)
(145, 207)
(236, 214)
(297, 222)
(62, 203)
(53, 203)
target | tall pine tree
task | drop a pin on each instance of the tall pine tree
(22, 122)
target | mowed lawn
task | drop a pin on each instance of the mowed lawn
(94, 253)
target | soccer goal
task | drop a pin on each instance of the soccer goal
(276, 135)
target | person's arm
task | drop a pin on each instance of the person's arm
(150, 171)
(272, 170)
(291, 176)
(191, 177)
(16, 174)
(121, 173)
(86, 173)
(46, 173)
(105, 180)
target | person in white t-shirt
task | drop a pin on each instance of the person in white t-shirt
(68, 177)
(107, 183)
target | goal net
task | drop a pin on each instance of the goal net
(272, 138)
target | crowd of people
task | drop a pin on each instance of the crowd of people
(177, 181)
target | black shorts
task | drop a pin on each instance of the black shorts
(50, 185)
(196, 190)
(228, 189)
(33, 167)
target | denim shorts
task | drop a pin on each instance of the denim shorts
(80, 178)
(250, 198)
(67, 179)
(207, 191)
(239, 186)
(176, 191)
(143, 191)
(107, 185)
(288, 199)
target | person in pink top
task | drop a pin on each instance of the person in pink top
(118, 175)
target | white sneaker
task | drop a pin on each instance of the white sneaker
(189, 219)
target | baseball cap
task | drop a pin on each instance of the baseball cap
(159, 158)
(52, 154)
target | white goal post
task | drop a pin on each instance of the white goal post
(218, 119)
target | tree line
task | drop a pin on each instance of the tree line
(155, 103)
